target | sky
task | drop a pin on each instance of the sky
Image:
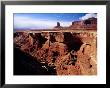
(47, 20)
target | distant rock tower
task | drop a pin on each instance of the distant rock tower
(72, 23)
(58, 25)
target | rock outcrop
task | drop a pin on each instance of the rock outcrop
(68, 53)
(58, 25)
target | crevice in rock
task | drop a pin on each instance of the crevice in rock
(72, 41)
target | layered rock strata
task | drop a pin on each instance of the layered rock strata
(68, 53)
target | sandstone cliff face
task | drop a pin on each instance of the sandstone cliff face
(90, 23)
(69, 53)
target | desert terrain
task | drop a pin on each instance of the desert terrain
(61, 52)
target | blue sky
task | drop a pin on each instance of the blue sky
(47, 20)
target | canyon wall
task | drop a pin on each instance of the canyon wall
(68, 53)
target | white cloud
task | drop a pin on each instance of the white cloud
(65, 24)
(21, 22)
(90, 15)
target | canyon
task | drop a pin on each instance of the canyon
(65, 52)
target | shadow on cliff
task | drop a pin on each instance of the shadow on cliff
(24, 64)
(72, 41)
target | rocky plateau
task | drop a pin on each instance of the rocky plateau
(61, 53)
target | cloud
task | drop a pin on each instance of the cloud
(65, 24)
(89, 15)
(23, 22)
(27, 22)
